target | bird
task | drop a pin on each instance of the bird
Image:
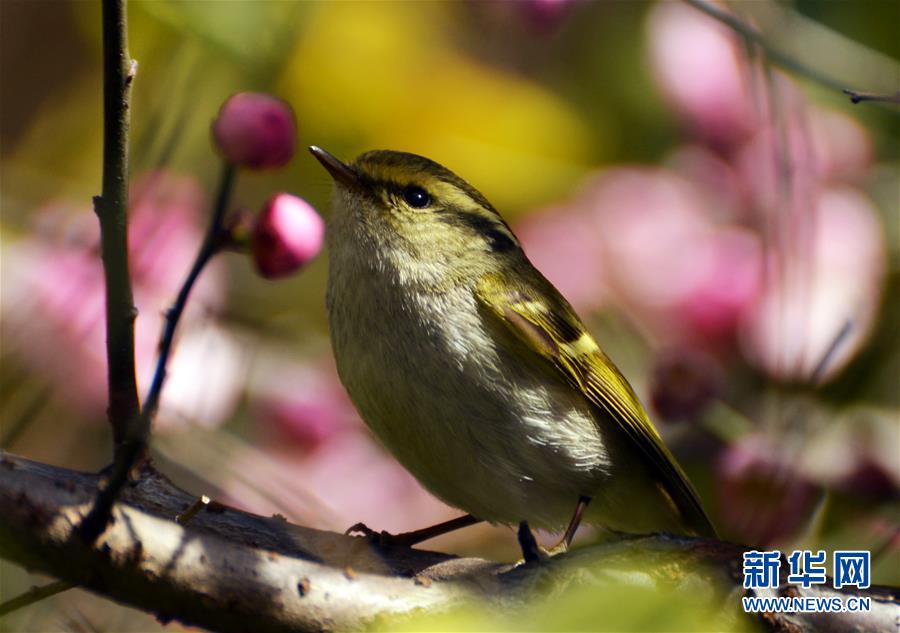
(473, 370)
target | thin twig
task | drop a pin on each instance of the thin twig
(820, 368)
(209, 248)
(128, 425)
(111, 208)
(134, 447)
(774, 55)
(857, 97)
(188, 515)
(35, 594)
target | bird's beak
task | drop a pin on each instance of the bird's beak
(338, 170)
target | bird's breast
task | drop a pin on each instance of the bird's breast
(472, 421)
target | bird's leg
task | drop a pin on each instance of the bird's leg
(531, 551)
(408, 539)
(563, 545)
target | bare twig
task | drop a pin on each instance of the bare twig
(35, 594)
(857, 97)
(129, 427)
(135, 447)
(210, 247)
(111, 208)
(188, 515)
(131, 423)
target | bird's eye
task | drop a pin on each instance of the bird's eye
(416, 197)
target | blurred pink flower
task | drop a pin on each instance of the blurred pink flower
(764, 497)
(647, 240)
(715, 179)
(677, 272)
(256, 130)
(563, 244)
(288, 234)
(822, 292)
(700, 67)
(729, 286)
(54, 306)
(778, 166)
(842, 146)
(302, 405)
(316, 462)
(347, 479)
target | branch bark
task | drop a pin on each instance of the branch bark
(229, 570)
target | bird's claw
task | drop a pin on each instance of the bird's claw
(532, 551)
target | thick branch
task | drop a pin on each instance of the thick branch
(112, 209)
(232, 571)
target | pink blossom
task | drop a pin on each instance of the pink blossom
(650, 222)
(779, 167)
(563, 244)
(715, 179)
(822, 293)
(256, 130)
(728, 287)
(676, 271)
(699, 66)
(288, 234)
(304, 405)
(347, 479)
(842, 146)
(54, 303)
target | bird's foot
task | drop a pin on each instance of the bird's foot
(532, 551)
(560, 548)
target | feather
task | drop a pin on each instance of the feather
(538, 315)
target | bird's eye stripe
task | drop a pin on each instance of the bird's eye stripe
(496, 233)
(499, 241)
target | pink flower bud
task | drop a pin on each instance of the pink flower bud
(256, 130)
(287, 235)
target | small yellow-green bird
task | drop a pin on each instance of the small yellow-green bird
(473, 370)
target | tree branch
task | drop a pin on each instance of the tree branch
(111, 208)
(229, 570)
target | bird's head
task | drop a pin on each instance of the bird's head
(414, 212)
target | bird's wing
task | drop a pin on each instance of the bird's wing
(543, 319)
